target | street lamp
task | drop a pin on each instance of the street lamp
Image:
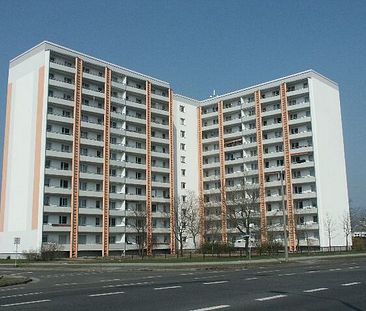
(280, 175)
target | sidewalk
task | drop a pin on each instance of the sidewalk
(177, 265)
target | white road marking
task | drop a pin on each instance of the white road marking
(354, 267)
(250, 279)
(335, 269)
(127, 284)
(110, 280)
(167, 287)
(13, 288)
(271, 297)
(25, 303)
(315, 290)
(20, 295)
(65, 284)
(212, 308)
(286, 274)
(351, 284)
(313, 271)
(106, 294)
(208, 277)
(215, 282)
(190, 273)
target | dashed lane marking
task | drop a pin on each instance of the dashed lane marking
(106, 294)
(271, 297)
(127, 284)
(251, 279)
(212, 308)
(315, 290)
(215, 282)
(167, 287)
(25, 303)
(286, 274)
(351, 284)
(20, 295)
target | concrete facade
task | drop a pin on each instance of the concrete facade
(97, 156)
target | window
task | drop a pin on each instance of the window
(45, 219)
(112, 239)
(65, 148)
(298, 189)
(183, 185)
(182, 134)
(82, 239)
(65, 131)
(62, 239)
(98, 187)
(63, 201)
(112, 205)
(82, 220)
(182, 146)
(184, 198)
(62, 220)
(183, 172)
(84, 151)
(98, 239)
(97, 221)
(64, 166)
(181, 108)
(182, 159)
(82, 203)
(83, 186)
(112, 222)
(182, 121)
(64, 183)
(97, 204)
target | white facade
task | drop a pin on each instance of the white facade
(38, 169)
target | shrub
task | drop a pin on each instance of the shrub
(50, 251)
(269, 248)
(31, 255)
(216, 248)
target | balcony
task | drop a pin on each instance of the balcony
(60, 118)
(58, 100)
(56, 171)
(56, 228)
(93, 77)
(57, 190)
(58, 135)
(62, 66)
(93, 142)
(58, 153)
(91, 176)
(91, 159)
(62, 84)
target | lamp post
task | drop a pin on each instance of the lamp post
(284, 216)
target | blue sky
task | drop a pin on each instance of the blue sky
(199, 46)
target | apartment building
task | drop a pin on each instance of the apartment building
(96, 156)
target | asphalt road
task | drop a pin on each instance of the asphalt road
(332, 284)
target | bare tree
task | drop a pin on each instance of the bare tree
(329, 225)
(179, 228)
(358, 218)
(243, 208)
(346, 226)
(192, 217)
(138, 222)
